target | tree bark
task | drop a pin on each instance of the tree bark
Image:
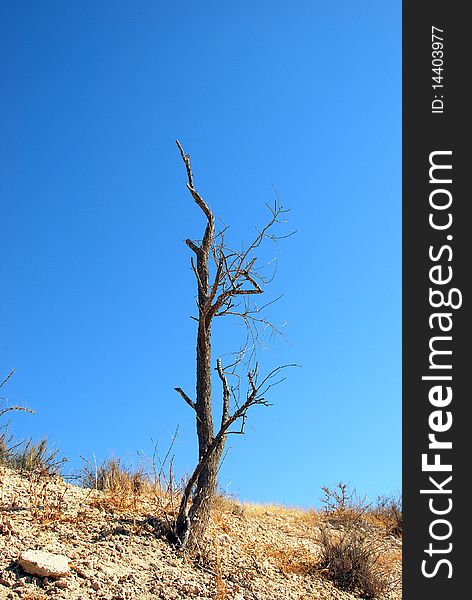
(236, 278)
(205, 488)
(193, 522)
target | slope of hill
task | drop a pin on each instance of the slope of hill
(116, 551)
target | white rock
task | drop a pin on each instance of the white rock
(44, 564)
(224, 539)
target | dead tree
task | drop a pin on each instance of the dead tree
(227, 281)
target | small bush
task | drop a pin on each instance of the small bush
(350, 561)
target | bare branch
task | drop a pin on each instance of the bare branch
(237, 268)
(236, 291)
(8, 409)
(253, 399)
(210, 228)
(217, 280)
(4, 411)
(7, 378)
(191, 403)
(241, 431)
(201, 203)
(201, 287)
(186, 159)
(192, 246)
(226, 392)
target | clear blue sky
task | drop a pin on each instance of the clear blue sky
(96, 284)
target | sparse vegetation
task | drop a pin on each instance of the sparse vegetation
(389, 512)
(342, 504)
(122, 486)
(113, 476)
(347, 547)
(47, 496)
(29, 456)
(349, 555)
(36, 456)
(24, 455)
(269, 550)
(351, 561)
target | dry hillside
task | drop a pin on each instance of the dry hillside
(116, 550)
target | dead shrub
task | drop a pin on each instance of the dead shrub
(46, 497)
(352, 562)
(342, 505)
(390, 514)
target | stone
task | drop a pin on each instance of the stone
(224, 539)
(44, 564)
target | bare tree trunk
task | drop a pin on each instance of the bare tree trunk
(192, 526)
(199, 513)
(235, 278)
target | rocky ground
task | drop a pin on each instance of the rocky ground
(116, 552)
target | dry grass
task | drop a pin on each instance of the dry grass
(288, 513)
(30, 457)
(5, 445)
(41, 467)
(47, 502)
(299, 561)
(122, 487)
(224, 504)
(389, 562)
(118, 488)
